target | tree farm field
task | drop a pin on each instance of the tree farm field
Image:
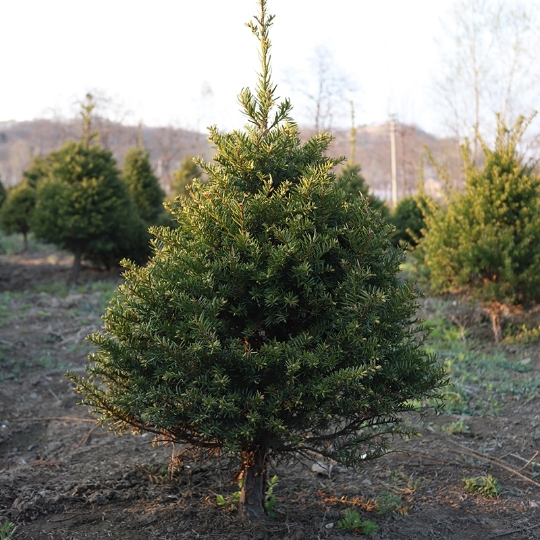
(473, 471)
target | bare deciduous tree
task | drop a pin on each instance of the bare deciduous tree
(168, 145)
(111, 114)
(327, 87)
(488, 66)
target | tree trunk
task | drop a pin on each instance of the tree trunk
(76, 268)
(25, 241)
(495, 310)
(251, 505)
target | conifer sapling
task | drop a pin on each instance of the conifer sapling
(3, 193)
(272, 320)
(16, 212)
(143, 185)
(184, 176)
(83, 205)
(484, 244)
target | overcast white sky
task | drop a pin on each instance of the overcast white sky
(158, 56)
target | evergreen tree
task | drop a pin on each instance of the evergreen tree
(273, 319)
(17, 210)
(408, 219)
(3, 193)
(143, 185)
(40, 168)
(484, 245)
(354, 183)
(184, 176)
(82, 205)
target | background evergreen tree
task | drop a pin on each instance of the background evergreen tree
(184, 176)
(273, 319)
(408, 219)
(3, 193)
(40, 168)
(143, 185)
(16, 212)
(83, 206)
(354, 183)
(484, 245)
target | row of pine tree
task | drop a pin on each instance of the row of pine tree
(477, 242)
(78, 199)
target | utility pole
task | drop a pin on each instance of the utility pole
(393, 159)
(139, 136)
(353, 135)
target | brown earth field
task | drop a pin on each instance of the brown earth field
(64, 477)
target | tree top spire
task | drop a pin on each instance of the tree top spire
(86, 112)
(258, 107)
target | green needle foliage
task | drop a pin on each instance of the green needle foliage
(40, 168)
(353, 182)
(16, 212)
(352, 521)
(83, 205)
(408, 219)
(488, 486)
(184, 176)
(484, 244)
(7, 530)
(3, 193)
(143, 185)
(273, 319)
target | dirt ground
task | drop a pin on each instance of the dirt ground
(63, 477)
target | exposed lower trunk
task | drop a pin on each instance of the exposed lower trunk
(25, 241)
(252, 496)
(495, 311)
(76, 268)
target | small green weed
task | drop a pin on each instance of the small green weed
(11, 368)
(8, 310)
(9, 244)
(481, 377)
(7, 530)
(387, 502)
(159, 475)
(353, 522)
(269, 498)
(404, 483)
(488, 486)
(455, 428)
(4, 313)
(55, 288)
(231, 501)
(522, 334)
(441, 330)
(48, 360)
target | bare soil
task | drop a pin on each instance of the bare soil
(64, 477)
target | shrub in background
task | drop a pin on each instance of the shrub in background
(83, 205)
(17, 210)
(486, 243)
(352, 182)
(3, 193)
(40, 167)
(408, 219)
(143, 185)
(184, 176)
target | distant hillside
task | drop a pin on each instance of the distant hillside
(373, 155)
(19, 141)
